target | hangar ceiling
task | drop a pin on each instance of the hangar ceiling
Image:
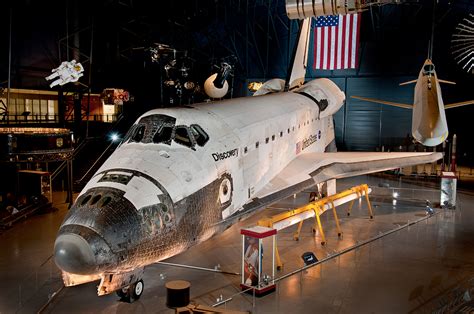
(257, 36)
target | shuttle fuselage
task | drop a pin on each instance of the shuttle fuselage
(181, 175)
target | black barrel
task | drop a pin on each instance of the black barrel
(177, 293)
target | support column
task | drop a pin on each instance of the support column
(69, 183)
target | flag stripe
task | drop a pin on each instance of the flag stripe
(354, 37)
(336, 42)
(333, 46)
(340, 41)
(329, 48)
(346, 54)
(349, 46)
(343, 39)
(325, 48)
(357, 41)
(318, 48)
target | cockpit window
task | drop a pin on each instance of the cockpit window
(139, 133)
(162, 129)
(200, 136)
(163, 135)
(129, 134)
(147, 128)
(182, 137)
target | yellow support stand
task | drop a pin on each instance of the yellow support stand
(278, 260)
(339, 232)
(369, 206)
(296, 236)
(320, 227)
(318, 207)
(350, 207)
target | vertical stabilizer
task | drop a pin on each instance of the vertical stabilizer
(299, 61)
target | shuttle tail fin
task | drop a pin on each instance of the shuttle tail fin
(297, 69)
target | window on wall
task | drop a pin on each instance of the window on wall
(21, 106)
(43, 109)
(11, 107)
(52, 105)
(273, 137)
(36, 108)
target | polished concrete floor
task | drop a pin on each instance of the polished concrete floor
(426, 267)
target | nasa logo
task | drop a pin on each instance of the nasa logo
(228, 154)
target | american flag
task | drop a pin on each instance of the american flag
(299, 146)
(336, 41)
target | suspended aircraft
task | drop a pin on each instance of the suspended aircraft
(429, 126)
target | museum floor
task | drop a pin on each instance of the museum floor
(426, 267)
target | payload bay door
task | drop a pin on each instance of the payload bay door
(250, 164)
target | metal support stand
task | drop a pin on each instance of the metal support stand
(296, 236)
(317, 223)
(339, 232)
(369, 206)
(316, 208)
(350, 207)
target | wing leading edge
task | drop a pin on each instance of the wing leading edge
(384, 102)
(308, 169)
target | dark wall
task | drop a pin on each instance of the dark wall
(394, 44)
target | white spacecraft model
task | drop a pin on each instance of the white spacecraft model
(68, 71)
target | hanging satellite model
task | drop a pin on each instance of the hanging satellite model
(114, 96)
(463, 44)
(216, 85)
(177, 69)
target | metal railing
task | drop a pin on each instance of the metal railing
(92, 168)
(48, 118)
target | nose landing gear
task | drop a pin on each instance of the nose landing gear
(132, 292)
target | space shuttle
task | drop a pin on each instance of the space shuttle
(182, 175)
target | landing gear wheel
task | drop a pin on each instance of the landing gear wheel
(137, 290)
(123, 293)
(132, 292)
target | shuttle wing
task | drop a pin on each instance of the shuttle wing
(396, 104)
(311, 168)
(459, 104)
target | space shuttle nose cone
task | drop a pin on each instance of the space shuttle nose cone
(73, 254)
